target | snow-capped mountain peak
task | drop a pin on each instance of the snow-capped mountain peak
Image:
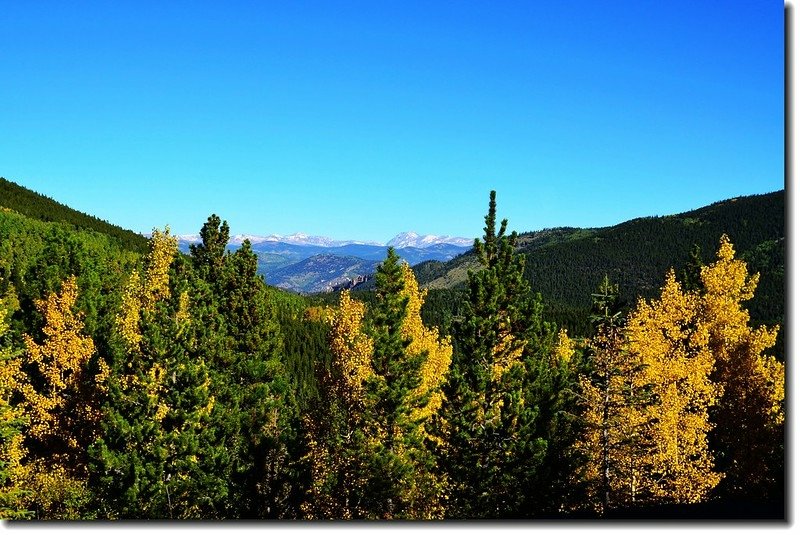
(402, 240)
(298, 238)
(412, 239)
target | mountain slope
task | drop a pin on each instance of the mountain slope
(42, 208)
(321, 273)
(565, 265)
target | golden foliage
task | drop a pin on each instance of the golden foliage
(666, 337)
(755, 380)
(424, 341)
(507, 352)
(702, 360)
(141, 293)
(751, 412)
(316, 314)
(615, 421)
(330, 454)
(61, 362)
(565, 347)
(59, 399)
(351, 348)
(12, 450)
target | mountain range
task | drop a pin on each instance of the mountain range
(310, 264)
(401, 241)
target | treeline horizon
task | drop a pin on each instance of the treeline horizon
(171, 386)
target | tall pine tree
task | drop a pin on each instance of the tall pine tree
(160, 454)
(503, 395)
(370, 453)
(255, 405)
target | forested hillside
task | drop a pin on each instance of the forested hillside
(181, 386)
(565, 265)
(39, 207)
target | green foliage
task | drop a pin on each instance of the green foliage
(565, 265)
(501, 409)
(160, 454)
(222, 397)
(255, 403)
(398, 457)
(42, 208)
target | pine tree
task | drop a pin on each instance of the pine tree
(614, 395)
(372, 455)
(209, 256)
(503, 392)
(403, 483)
(255, 405)
(160, 454)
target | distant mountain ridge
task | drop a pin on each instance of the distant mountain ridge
(401, 241)
(322, 273)
(283, 260)
(412, 239)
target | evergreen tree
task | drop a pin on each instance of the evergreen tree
(613, 394)
(160, 453)
(254, 402)
(402, 482)
(209, 256)
(500, 401)
(372, 456)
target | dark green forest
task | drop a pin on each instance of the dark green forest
(538, 376)
(565, 265)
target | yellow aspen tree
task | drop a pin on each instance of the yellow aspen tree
(750, 415)
(351, 347)
(437, 351)
(334, 438)
(141, 293)
(12, 450)
(565, 347)
(664, 335)
(60, 399)
(427, 490)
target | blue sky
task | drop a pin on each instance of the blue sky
(365, 119)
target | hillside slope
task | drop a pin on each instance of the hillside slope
(565, 265)
(42, 208)
(320, 273)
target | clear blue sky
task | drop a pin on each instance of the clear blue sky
(364, 119)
